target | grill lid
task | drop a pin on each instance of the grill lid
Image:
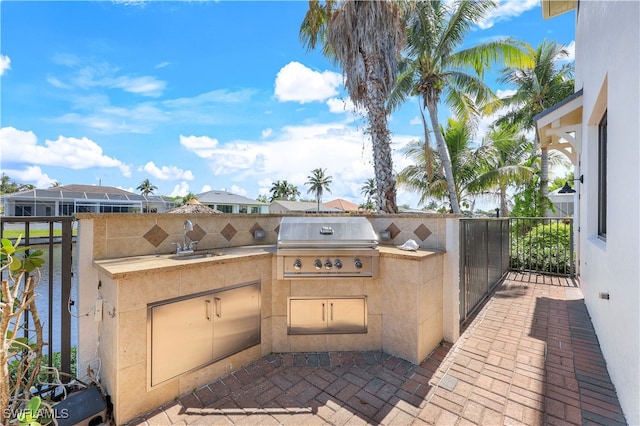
(326, 232)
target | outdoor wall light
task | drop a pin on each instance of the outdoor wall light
(566, 189)
(259, 234)
(385, 235)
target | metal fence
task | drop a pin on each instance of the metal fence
(543, 245)
(484, 259)
(55, 238)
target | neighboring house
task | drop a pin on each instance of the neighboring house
(281, 206)
(70, 199)
(563, 200)
(227, 202)
(344, 205)
(599, 127)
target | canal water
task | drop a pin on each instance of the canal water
(42, 296)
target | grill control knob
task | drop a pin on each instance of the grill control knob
(338, 264)
(297, 264)
(357, 263)
(328, 264)
(317, 264)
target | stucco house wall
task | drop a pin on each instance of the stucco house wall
(607, 69)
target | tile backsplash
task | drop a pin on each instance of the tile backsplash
(120, 235)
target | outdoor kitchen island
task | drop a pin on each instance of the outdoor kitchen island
(404, 306)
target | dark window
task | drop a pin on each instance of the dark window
(602, 177)
(225, 208)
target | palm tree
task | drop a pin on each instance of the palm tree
(283, 191)
(539, 86)
(363, 37)
(466, 167)
(370, 192)
(436, 70)
(504, 154)
(319, 182)
(146, 188)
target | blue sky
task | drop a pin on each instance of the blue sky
(195, 96)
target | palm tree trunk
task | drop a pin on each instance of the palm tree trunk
(544, 179)
(381, 141)
(444, 158)
(504, 209)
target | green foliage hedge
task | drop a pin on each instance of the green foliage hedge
(545, 247)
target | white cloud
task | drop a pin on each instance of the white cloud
(221, 96)
(295, 82)
(343, 150)
(57, 83)
(5, 64)
(89, 74)
(266, 133)
(180, 190)
(31, 174)
(202, 146)
(238, 190)
(112, 120)
(167, 172)
(417, 120)
(22, 147)
(571, 50)
(146, 86)
(205, 188)
(339, 106)
(506, 10)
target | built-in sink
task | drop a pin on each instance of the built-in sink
(194, 256)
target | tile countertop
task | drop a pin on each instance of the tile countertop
(394, 252)
(121, 267)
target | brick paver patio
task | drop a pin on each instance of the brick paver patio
(529, 357)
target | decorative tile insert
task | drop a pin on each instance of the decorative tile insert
(393, 230)
(156, 235)
(255, 228)
(197, 234)
(228, 232)
(422, 232)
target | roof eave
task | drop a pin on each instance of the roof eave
(553, 8)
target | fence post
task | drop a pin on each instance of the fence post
(65, 320)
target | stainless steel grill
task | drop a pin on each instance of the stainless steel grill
(325, 247)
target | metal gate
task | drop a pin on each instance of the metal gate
(484, 259)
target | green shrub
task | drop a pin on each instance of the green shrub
(544, 247)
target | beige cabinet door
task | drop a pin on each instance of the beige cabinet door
(236, 320)
(348, 315)
(309, 315)
(181, 337)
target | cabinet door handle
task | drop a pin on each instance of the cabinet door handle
(208, 305)
(323, 312)
(331, 317)
(218, 307)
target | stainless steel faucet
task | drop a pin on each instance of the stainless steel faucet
(189, 244)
